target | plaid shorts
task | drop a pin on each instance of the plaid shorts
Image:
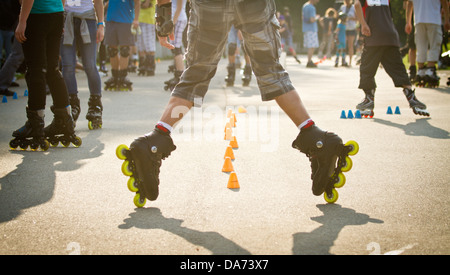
(209, 24)
(310, 40)
(146, 42)
(178, 33)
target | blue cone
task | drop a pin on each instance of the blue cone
(343, 114)
(25, 93)
(15, 96)
(350, 114)
(389, 111)
(397, 110)
(4, 100)
(358, 114)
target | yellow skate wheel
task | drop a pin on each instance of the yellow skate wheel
(131, 184)
(138, 202)
(65, 143)
(340, 181)
(54, 143)
(348, 165)
(126, 169)
(45, 145)
(355, 147)
(333, 198)
(120, 151)
(90, 126)
(77, 143)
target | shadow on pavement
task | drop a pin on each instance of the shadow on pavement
(33, 181)
(152, 218)
(334, 219)
(421, 127)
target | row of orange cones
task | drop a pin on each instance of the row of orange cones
(233, 182)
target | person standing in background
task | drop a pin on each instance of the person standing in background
(310, 30)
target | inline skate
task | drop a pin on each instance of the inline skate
(171, 83)
(247, 75)
(142, 70)
(431, 78)
(329, 158)
(94, 114)
(124, 84)
(150, 65)
(62, 129)
(112, 84)
(142, 162)
(367, 105)
(75, 107)
(31, 134)
(418, 107)
(229, 79)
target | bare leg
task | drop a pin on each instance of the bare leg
(293, 106)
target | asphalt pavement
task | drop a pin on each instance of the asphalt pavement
(76, 201)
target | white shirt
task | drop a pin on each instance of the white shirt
(78, 6)
(182, 16)
(350, 24)
(427, 11)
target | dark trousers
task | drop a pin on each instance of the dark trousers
(41, 51)
(390, 58)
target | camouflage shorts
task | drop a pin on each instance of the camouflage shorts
(209, 24)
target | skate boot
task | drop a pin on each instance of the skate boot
(94, 114)
(229, 79)
(431, 78)
(123, 82)
(31, 134)
(150, 65)
(171, 83)
(418, 107)
(142, 162)
(112, 83)
(329, 158)
(132, 64)
(171, 68)
(75, 106)
(367, 105)
(419, 80)
(142, 70)
(247, 75)
(62, 129)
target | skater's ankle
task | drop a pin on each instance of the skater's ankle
(164, 127)
(306, 124)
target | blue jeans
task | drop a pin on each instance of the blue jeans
(88, 58)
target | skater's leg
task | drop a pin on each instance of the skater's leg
(89, 57)
(370, 60)
(292, 105)
(394, 67)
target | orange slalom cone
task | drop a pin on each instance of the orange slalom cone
(229, 112)
(227, 165)
(227, 126)
(242, 110)
(232, 121)
(228, 134)
(233, 143)
(229, 153)
(233, 182)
